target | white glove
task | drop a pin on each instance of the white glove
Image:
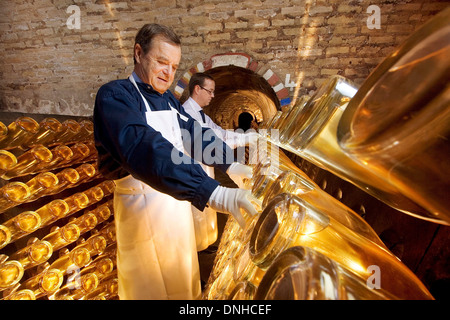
(240, 203)
(238, 172)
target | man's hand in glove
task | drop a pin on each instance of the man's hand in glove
(239, 203)
(238, 172)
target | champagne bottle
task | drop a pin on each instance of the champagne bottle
(12, 194)
(41, 185)
(53, 211)
(19, 226)
(63, 236)
(61, 154)
(18, 132)
(7, 161)
(11, 272)
(3, 131)
(44, 283)
(49, 128)
(76, 259)
(28, 162)
(70, 129)
(34, 254)
(67, 178)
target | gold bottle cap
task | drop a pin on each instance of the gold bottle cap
(102, 213)
(7, 160)
(70, 232)
(95, 194)
(28, 124)
(51, 280)
(89, 220)
(28, 221)
(70, 175)
(51, 124)
(58, 208)
(81, 150)
(16, 191)
(80, 257)
(87, 125)
(3, 130)
(47, 179)
(89, 282)
(40, 251)
(108, 186)
(98, 244)
(64, 152)
(104, 266)
(77, 201)
(25, 294)
(113, 286)
(5, 236)
(10, 273)
(42, 153)
(71, 125)
(86, 169)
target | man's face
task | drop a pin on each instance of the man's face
(157, 68)
(206, 93)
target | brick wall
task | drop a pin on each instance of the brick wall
(49, 68)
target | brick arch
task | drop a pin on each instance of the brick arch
(242, 60)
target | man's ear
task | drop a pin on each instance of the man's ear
(197, 89)
(137, 52)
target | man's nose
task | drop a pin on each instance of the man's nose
(169, 70)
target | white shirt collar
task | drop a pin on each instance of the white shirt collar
(194, 105)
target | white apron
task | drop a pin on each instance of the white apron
(205, 222)
(156, 249)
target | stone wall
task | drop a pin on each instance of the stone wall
(50, 66)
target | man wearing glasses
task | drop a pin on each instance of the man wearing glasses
(201, 92)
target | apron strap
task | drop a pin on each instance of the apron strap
(184, 118)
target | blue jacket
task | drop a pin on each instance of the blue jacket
(126, 144)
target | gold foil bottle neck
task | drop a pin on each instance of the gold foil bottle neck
(70, 232)
(28, 221)
(94, 194)
(42, 154)
(86, 171)
(16, 191)
(19, 131)
(7, 160)
(5, 236)
(80, 257)
(3, 131)
(89, 282)
(10, 273)
(53, 211)
(77, 201)
(48, 129)
(25, 294)
(69, 175)
(51, 280)
(40, 251)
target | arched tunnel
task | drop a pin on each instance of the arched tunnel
(241, 96)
